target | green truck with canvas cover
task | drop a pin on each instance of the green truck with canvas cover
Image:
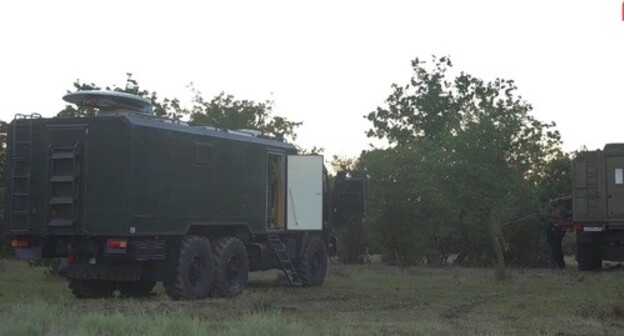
(128, 200)
(598, 206)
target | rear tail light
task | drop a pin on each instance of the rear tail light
(19, 243)
(117, 244)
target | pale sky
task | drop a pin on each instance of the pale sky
(326, 63)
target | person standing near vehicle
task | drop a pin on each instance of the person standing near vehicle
(554, 237)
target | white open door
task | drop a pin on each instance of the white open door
(305, 192)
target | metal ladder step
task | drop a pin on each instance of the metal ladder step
(64, 194)
(61, 201)
(287, 265)
(21, 149)
(62, 178)
(61, 223)
(63, 155)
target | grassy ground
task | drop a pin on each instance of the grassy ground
(356, 300)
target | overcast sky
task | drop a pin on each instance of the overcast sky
(326, 63)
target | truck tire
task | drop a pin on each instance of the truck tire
(136, 289)
(589, 257)
(91, 289)
(231, 266)
(194, 272)
(312, 263)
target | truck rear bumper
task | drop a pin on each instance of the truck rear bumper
(29, 247)
(28, 253)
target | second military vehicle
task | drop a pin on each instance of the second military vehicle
(598, 206)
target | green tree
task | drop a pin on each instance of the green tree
(226, 112)
(409, 217)
(481, 145)
(554, 179)
(343, 163)
(223, 111)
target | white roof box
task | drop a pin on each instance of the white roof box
(108, 102)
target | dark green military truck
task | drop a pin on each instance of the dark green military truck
(598, 205)
(128, 200)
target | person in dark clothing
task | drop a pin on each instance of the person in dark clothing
(560, 220)
(554, 236)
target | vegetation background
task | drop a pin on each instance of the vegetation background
(465, 176)
(464, 179)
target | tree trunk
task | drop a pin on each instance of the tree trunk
(496, 236)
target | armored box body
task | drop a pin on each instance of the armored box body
(598, 186)
(128, 199)
(135, 175)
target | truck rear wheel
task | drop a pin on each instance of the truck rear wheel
(231, 266)
(136, 289)
(91, 289)
(589, 257)
(194, 271)
(312, 264)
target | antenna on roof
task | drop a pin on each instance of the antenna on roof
(111, 102)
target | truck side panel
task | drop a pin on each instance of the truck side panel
(182, 180)
(118, 175)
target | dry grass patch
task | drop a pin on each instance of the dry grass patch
(363, 299)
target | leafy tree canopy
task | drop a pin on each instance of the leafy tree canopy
(223, 111)
(485, 155)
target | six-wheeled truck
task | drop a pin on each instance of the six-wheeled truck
(596, 206)
(128, 200)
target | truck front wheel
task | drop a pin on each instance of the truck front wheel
(194, 271)
(231, 266)
(312, 263)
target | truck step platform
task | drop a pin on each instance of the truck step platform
(287, 265)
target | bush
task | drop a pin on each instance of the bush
(526, 244)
